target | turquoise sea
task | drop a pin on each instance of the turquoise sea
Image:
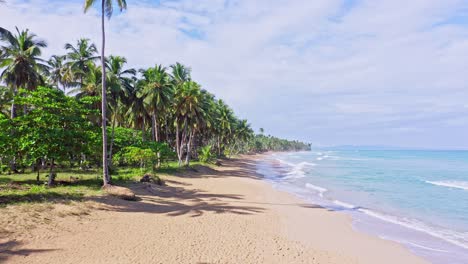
(417, 198)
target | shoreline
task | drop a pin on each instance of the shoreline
(222, 215)
(306, 177)
(343, 228)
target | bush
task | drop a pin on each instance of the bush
(205, 155)
(136, 156)
(146, 155)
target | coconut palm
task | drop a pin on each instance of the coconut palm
(180, 74)
(190, 109)
(157, 92)
(224, 124)
(106, 11)
(242, 134)
(91, 85)
(56, 70)
(119, 86)
(136, 112)
(79, 57)
(19, 56)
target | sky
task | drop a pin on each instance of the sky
(329, 72)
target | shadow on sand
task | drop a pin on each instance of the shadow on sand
(12, 248)
(176, 198)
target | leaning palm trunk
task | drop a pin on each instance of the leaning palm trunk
(105, 169)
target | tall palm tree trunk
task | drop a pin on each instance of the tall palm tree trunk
(13, 105)
(143, 125)
(153, 133)
(105, 169)
(155, 126)
(13, 166)
(179, 155)
(112, 140)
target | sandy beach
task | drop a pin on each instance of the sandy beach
(222, 215)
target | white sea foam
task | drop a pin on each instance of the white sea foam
(295, 171)
(343, 204)
(452, 184)
(298, 170)
(319, 189)
(401, 241)
(457, 238)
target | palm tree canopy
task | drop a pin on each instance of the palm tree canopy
(108, 6)
(56, 69)
(20, 56)
(156, 87)
(119, 79)
(180, 73)
(191, 104)
(80, 55)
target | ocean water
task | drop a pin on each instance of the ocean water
(416, 198)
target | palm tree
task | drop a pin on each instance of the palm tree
(20, 59)
(242, 134)
(56, 70)
(180, 74)
(120, 81)
(190, 107)
(136, 112)
(225, 120)
(157, 92)
(79, 57)
(106, 11)
(91, 85)
(69, 77)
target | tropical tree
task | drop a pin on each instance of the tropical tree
(119, 86)
(157, 93)
(242, 134)
(55, 127)
(180, 74)
(136, 112)
(190, 108)
(55, 70)
(20, 58)
(225, 121)
(91, 83)
(79, 58)
(106, 11)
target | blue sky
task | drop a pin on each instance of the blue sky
(331, 72)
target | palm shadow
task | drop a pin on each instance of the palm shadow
(178, 200)
(243, 168)
(13, 248)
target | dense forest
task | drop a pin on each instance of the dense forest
(70, 111)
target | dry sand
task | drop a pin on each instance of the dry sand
(227, 215)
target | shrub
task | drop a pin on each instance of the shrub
(205, 155)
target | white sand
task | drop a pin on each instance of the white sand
(222, 216)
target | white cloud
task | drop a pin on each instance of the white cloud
(297, 68)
